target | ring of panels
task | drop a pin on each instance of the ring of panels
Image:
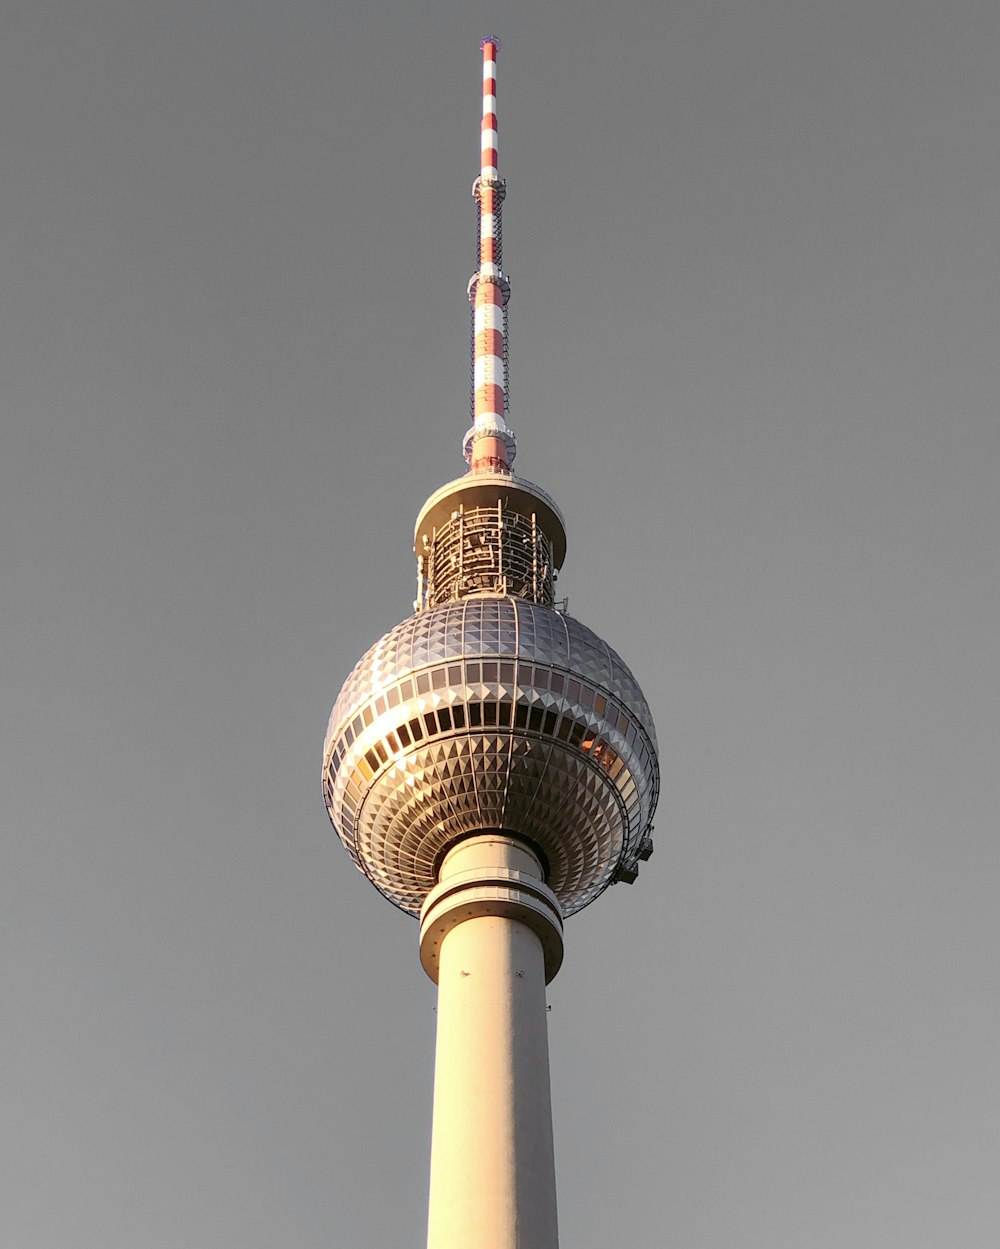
(499, 714)
(490, 550)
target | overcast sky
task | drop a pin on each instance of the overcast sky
(754, 356)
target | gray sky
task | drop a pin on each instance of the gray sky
(753, 250)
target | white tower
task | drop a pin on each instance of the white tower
(491, 767)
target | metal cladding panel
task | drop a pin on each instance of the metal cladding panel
(491, 713)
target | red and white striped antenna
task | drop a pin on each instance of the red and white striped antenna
(489, 444)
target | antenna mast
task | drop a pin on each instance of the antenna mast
(489, 444)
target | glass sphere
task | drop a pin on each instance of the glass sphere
(487, 714)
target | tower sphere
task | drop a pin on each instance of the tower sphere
(490, 713)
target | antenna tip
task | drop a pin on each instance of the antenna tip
(489, 39)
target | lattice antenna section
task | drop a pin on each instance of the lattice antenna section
(489, 444)
(490, 550)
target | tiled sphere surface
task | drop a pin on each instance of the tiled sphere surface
(491, 714)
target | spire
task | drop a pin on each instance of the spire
(489, 444)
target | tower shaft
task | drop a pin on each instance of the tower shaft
(492, 1164)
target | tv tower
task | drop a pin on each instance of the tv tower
(491, 767)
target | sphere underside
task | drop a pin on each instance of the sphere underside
(491, 714)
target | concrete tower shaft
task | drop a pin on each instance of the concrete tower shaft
(491, 938)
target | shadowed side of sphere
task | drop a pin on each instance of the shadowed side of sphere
(491, 714)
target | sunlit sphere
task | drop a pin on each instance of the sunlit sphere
(486, 714)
